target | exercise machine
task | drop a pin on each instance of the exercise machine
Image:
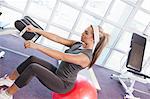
(132, 73)
(21, 26)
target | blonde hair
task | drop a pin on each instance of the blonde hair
(104, 38)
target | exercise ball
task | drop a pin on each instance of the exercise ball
(83, 89)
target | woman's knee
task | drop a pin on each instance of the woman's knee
(35, 67)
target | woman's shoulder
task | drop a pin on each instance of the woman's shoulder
(87, 52)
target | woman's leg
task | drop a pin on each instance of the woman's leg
(47, 78)
(32, 59)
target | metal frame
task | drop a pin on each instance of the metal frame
(131, 78)
(128, 79)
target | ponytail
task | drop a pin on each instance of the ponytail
(104, 37)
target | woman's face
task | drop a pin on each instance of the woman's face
(87, 35)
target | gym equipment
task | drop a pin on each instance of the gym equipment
(22, 23)
(83, 89)
(3, 23)
(134, 66)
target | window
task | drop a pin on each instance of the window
(103, 56)
(147, 30)
(42, 24)
(145, 4)
(140, 21)
(76, 2)
(41, 8)
(75, 37)
(119, 12)
(131, 1)
(9, 16)
(113, 31)
(98, 6)
(65, 16)
(85, 21)
(19, 4)
(115, 61)
(124, 42)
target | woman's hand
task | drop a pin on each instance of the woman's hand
(30, 44)
(31, 28)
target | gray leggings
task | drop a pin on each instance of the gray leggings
(45, 73)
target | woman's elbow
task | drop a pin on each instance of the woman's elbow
(62, 57)
(84, 63)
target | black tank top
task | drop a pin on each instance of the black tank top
(68, 71)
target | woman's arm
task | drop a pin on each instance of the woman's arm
(51, 36)
(80, 59)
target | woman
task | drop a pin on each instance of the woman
(59, 80)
